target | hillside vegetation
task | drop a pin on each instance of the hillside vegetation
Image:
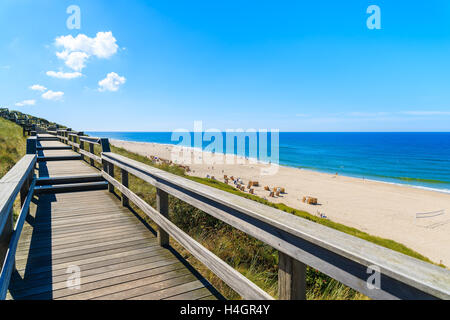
(12, 145)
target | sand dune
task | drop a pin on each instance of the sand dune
(380, 209)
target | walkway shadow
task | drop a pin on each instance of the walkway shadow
(43, 169)
(37, 267)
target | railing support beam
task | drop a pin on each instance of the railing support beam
(125, 201)
(5, 235)
(162, 205)
(110, 171)
(291, 278)
(82, 148)
(91, 150)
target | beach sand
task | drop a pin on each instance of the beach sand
(378, 208)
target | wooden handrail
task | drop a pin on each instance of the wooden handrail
(11, 184)
(19, 179)
(9, 261)
(341, 256)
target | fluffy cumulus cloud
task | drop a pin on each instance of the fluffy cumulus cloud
(77, 50)
(74, 60)
(64, 75)
(38, 87)
(112, 82)
(26, 103)
(53, 95)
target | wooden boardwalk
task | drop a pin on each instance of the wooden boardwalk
(71, 223)
(117, 255)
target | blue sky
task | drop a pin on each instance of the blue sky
(288, 65)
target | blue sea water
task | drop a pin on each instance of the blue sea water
(418, 159)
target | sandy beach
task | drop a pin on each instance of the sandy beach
(378, 208)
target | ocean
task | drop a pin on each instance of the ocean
(416, 159)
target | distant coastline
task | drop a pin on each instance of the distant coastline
(386, 157)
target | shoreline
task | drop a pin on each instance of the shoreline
(379, 208)
(405, 184)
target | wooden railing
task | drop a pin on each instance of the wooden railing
(20, 179)
(299, 242)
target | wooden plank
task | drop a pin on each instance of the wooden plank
(56, 153)
(31, 261)
(339, 255)
(80, 238)
(84, 260)
(191, 295)
(72, 251)
(152, 284)
(68, 242)
(91, 290)
(65, 168)
(180, 288)
(103, 265)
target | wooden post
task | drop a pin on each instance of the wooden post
(25, 189)
(5, 235)
(31, 145)
(124, 173)
(91, 150)
(82, 148)
(291, 278)
(162, 205)
(104, 142)
(111, 173)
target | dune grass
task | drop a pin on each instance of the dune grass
(12, 145)
(12, 149)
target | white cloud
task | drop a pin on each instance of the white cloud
(368, 114)
(426, 113)
(26, 103)
(38, 87)
(63, 75)
(74, 60)
(112, 82)
(53, 95)
(78, 49)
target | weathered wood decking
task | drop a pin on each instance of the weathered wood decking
(117, 254)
